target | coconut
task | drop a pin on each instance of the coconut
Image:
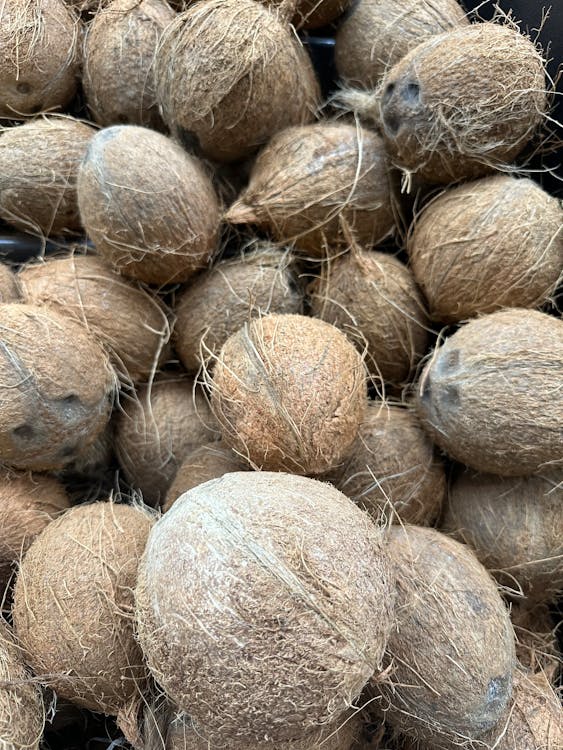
(118, 62)
(127, 319)
(38, 168)
(148, 206)
(463, 103)
(9, 288)
(310, 181)
(309, 606)
(373, 298)
(492, 243)
(91, 475)
(230, 74)
(491, 395)
(312, 14)
(217, 304)
(536, 639)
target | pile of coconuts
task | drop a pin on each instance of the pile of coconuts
(281, 406)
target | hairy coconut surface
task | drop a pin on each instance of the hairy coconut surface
(537, 645)
(9, 288)
(56, 387)
(289, 393)
(217, 304)
(39, 163)
(491, 395)
(463, 103)
(73, 605)
(484, 245)
(309, 605)
(118, 62)
(308, 182)
(149, 207)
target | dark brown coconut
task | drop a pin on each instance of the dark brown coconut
(310, 14)
(217, 304)
(148, 206)
(491, 395)
(230, 74)
(9, 287)
(289, 393)
(492, 243)
(118, 62)
(38, 168)
(308, 603)
(56, 387)
(537, 646)
(372, 297)
(310, 181)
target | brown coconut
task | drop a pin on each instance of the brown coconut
(310, 610)
(230, 74)
(289, 393)
(38, 169)
(56, 387)
(491, 396)
(492, 243)
(373, 298)
(309, 14)
(310, 183)
(149, 207)
(9, 287)
(537, 645)
(129, 321)
(118, 62)
(220, 302)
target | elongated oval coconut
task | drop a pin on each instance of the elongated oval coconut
(491, 395)
(492, 243)
(230, 74)
(217, 304)
(39, 163)
(537, 646)
(56, 387)
(148, 206)
(308, 181)
(9, 287)
(118, 62)
(289, 393)
(463, 103)
(249, 559)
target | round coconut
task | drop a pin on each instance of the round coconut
(289, 393)
(536, 639)
(376, 34)
(310, 612)
(156, 430)
(491, 395)
(73, 605)
(230, 74)
(38, 169)
(217, 304)
(118, 62)
(515, 526)
(373, 298)
(310, 183)
(149, 207)
(463, 103)
(129, 321)
(56, 388)
(492, 243)
(9, 287)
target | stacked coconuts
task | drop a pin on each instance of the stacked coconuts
(281, 422)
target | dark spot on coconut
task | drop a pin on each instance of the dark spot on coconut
(411, 93)
(68, 451)
(70, 400)
(189, 140)
(392, 122)
(476, 603)
(24, 432)
(497, 691)
(23, 88)
(451, 395)
(388, 93)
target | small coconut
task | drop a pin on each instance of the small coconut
(309, 14)
(310, 181)
(9, 287)
(148, 206)
(38, 168)
(491, 396)
(537, 648)
(250, 559)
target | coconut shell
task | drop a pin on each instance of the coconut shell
(38, 169)
(491, 395)
(148, 206)
(492, 243)
(463, 103)
(311, 183)
(217, 304)
(537, 646)
(9, 286)
(118, 62)
(230, 74)
(311, 608)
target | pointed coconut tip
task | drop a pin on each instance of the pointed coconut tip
(240, 213)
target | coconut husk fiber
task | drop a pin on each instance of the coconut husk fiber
(484, 245)
(310, 611)
(310, 184)
(491, 395)
(537, 645)
(9, 287)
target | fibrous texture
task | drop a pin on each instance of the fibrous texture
(9, 287)
(536, 631)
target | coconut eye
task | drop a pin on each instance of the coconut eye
(388, 93)
(411, 93)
